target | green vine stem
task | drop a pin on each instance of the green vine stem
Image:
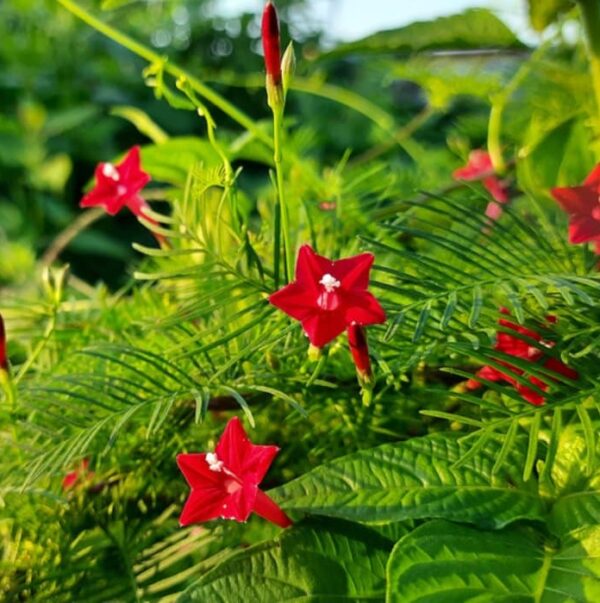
(499, 103)
(590, 15)
(283, 209)
(142, 51)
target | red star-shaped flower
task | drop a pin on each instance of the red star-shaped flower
(329, 296)
(225, 482)
(80, 474)
(519, 348)
(582, 203)
(119, 185)
(480, 168)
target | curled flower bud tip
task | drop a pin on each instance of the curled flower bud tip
(288, 66)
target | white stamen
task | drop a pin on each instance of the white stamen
(329, 282)
(110, 171)
(213, 462)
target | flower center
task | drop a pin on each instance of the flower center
(329, 299)
(329, 282)
(213, 462)
(596, 210)
(110, 171)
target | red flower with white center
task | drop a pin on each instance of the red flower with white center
(582, 203)
(3, 354)
(79, 475)
(329, 296)
(119, 186)
(480, 168)
(225, 482)
(271, 46)
(519, 348)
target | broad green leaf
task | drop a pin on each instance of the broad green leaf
(574, 511)
(576, 494)
(448, 563)
(314, 561)
(172, 160)
(544, 12)
(444, 78)
(560, 155)
(474, 29)
(416, 479)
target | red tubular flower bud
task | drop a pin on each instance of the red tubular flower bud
(3, 355)
(360, 352)
(270, 40)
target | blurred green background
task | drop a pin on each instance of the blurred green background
(60, 81)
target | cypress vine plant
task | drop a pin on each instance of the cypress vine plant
(423, 427)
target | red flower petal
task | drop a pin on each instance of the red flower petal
(495, 187)
(196, 471)
(561, 368)
(245, 459)
(478, 167)
(494, 210)
(583, 229)
(323, 327)
(267, 508)
(310, 268)
(294, 301)
(530, 395)
(576, 200)
(593, 178)
(513, 345)
(203, 504)
(364, 309)
(354, 272)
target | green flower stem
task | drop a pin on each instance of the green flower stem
(281, 208)
(8, 387)
(142, 51)
(590, 15)
(499, 102)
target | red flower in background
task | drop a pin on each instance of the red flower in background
(77, 476)
(119, 186)
(225, 482)
(519, 348)
(329, 296)
(582, 203)
(270, 41)
(480, 168)
(3, 354)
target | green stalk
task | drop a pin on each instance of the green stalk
(590, 15)
(499, 102)
(282, 207)
(142, 51)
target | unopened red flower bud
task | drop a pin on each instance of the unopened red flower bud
(270, 40)
(359, 347)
